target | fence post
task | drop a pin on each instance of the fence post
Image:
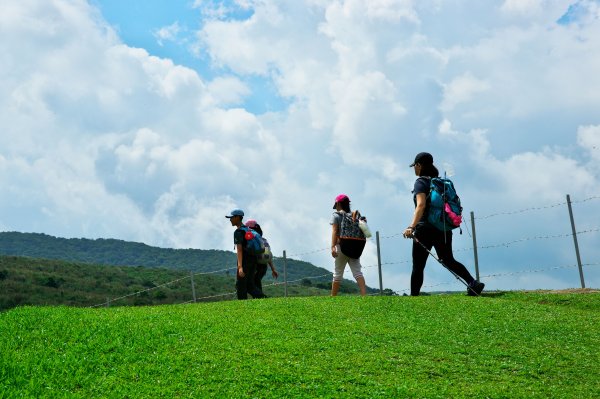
(475, 246)
(575, 241)
(379, 263)
(107, 302)
(193, 288)
(284, 275)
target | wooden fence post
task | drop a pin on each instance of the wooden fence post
(285, 291)
(379, 263)
(475, 246)
(575, 241)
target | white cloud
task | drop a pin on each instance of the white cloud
(167, 33)
(588, 137)
(227, 91)
(522, 6)
(104, 140)
(462, 89)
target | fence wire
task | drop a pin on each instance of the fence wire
(509, 243)
(398, 262)
(535, 208)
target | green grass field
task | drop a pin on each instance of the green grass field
(504, 345)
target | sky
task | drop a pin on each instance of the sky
(149, 121)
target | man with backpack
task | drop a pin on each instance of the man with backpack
(246, 246)
(437, 212)
(263, 260)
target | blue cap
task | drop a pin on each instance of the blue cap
(235, 212)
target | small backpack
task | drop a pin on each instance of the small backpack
(254, 242)
(445, 211)
(352, 239)
(267, 256)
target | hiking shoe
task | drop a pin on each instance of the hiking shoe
(475, 288)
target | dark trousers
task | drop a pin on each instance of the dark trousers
(261, 271)
(430, 236)
(246, 285)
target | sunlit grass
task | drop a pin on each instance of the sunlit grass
(508, 345)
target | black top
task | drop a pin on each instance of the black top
(422, 185)
(239, 237)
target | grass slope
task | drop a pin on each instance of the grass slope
(27, 281)
(124, 253)
(518, 345)
(113, 252)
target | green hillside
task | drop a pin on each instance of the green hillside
(507, 345)
(123, 253)
(30, 281)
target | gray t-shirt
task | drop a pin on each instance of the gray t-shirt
(336, 218)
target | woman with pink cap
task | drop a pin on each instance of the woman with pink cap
(342, 206)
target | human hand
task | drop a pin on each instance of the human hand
(408, 232)
(274, 273)
(241, 272)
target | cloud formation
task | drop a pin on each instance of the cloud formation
(100, 139)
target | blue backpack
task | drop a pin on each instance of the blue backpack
(254, 242)
(445, 211)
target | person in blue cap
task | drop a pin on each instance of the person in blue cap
(246, 263)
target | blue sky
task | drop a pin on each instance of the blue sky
(138, 24)
(149, 121)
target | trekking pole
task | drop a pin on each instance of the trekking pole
(446, 267)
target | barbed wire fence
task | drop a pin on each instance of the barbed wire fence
(285, 283)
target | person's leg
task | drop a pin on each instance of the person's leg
(241, 288)
(250, 270)
(338, 271)
(419, 258)
(335, 287)
(261, 271)
(443, 248)
(356, 269)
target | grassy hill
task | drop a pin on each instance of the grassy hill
(30, 281)
(507, 345)
(123, 253)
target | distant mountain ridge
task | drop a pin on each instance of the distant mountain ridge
(115, 252)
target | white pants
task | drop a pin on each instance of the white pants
(340, 265)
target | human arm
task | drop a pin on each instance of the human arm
(419, 211)
(240, 255)
(273, 271)
(334, 240)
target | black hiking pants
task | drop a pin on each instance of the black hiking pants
(247, 284)
(430, 237)
(261, 271)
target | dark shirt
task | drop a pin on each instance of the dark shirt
(422, 185)
(239, 237)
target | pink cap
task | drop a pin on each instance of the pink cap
(251, 223)
(340, 198)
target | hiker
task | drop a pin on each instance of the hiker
(246, 263)
(266, 259)
(342, 207)
(430, 236)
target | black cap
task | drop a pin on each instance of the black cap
(423, 158)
